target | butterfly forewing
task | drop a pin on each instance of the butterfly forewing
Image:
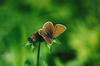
(45, 36)
(58, 30)
(48, 27)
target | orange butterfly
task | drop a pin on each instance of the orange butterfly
(47, 33)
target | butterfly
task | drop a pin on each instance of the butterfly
(47, 33)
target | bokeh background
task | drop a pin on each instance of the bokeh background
(79, 45)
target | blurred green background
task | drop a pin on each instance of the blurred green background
(79, 45)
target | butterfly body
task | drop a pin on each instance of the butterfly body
(47, 33)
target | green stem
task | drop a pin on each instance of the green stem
(38, 54)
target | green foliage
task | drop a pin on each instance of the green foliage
(77, 46)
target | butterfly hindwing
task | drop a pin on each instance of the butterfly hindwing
(58, 30)
(45, 36)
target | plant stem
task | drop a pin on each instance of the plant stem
(38, 54)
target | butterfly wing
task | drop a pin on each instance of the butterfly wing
(59, 29)
(45, 36)
(48, 27)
